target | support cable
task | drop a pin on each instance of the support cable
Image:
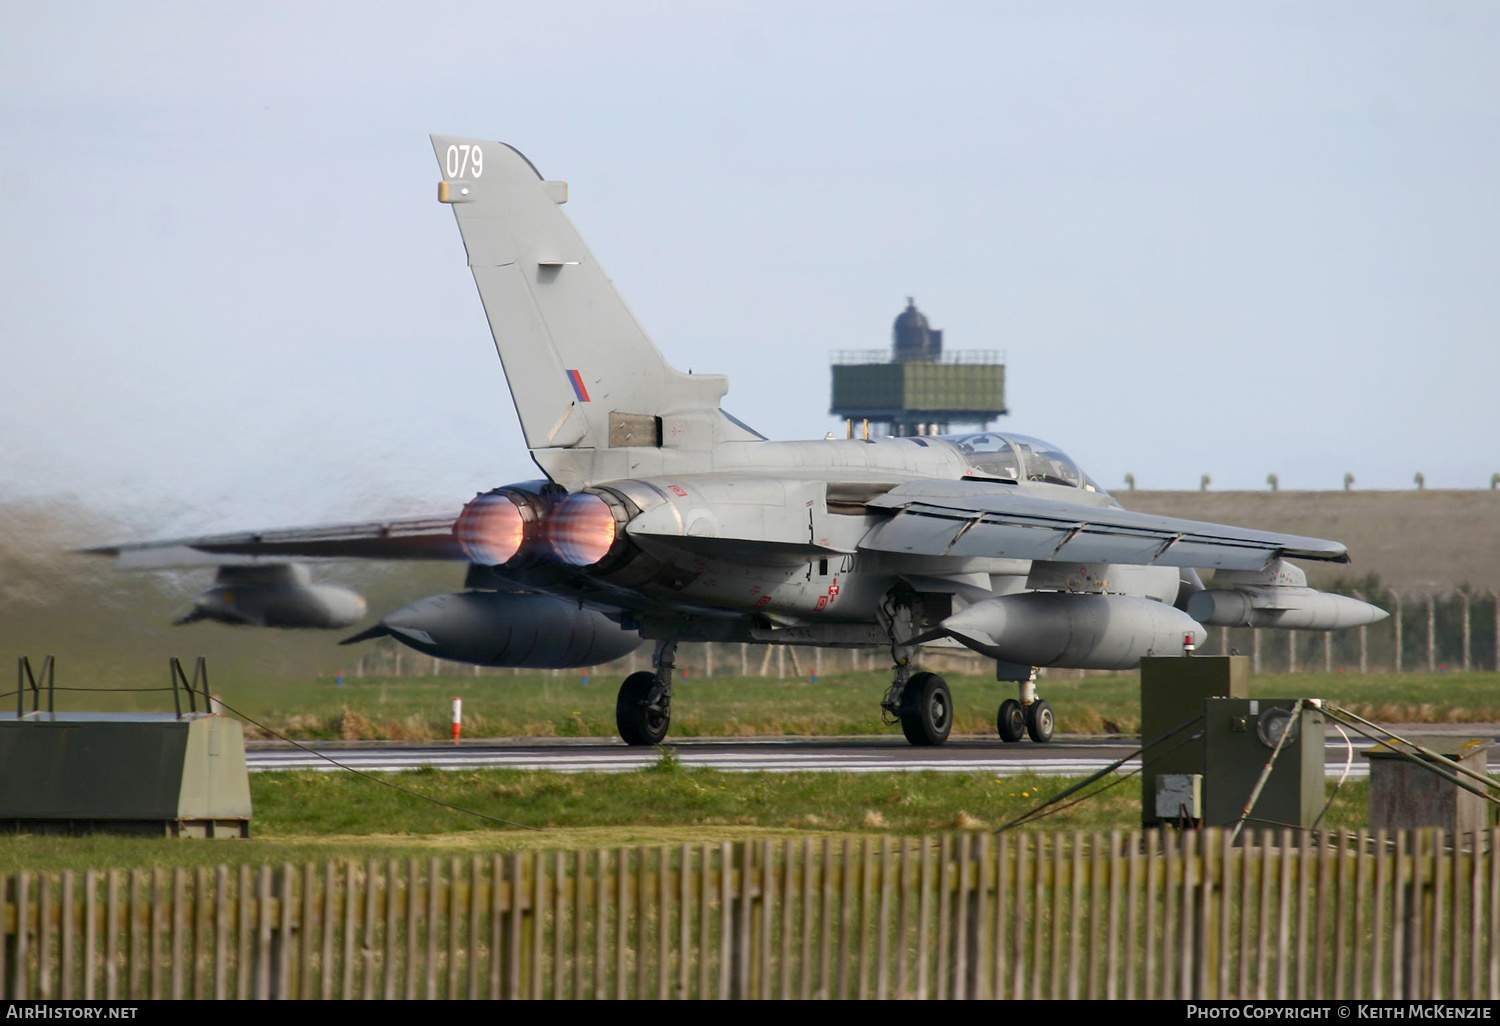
(1043, 811)
(1348, 765)
(1265, 773)
(1340, 711)
(1430, 767)
(1106, 771)
(370, 776)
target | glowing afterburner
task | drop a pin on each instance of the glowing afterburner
(490, 529)
(582, 529)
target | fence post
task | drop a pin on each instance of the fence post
(741, 919)
(1364, 648)
(44, 939)
(1495, 607)
(1463, 597)
(1431, 634)
(1411, 955)
(90, 930)
(729, 927)
(285, 979)
(1208, 951)
(1255, 650)
(265, 939)
(1396, 621)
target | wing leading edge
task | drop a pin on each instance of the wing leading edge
(971, 520)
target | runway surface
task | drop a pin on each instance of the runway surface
(1063, 756)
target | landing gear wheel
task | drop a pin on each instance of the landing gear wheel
(1011, 721)
(642, 712)
(926, 710)
(1039, 720)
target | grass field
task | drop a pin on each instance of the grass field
(541, 705)
(302, 816)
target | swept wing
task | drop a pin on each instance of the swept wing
(975, 519)
(407, 538)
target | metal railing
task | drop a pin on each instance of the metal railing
(1021, 915)
(846, 357)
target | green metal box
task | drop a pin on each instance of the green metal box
(146, 773)
(1173, 690)
(1239, 735)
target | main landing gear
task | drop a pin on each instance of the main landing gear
(926, 709)
(643, 709)
(922, 703)
(1031, 715)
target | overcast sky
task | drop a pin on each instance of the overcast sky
(1216, 239)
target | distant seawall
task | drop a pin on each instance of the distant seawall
(1428, 540)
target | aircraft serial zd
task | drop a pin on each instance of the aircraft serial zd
(664, 518)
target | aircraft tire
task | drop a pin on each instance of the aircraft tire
(638, 724)
(926, 710)
(1040, 721)
(1011, 720)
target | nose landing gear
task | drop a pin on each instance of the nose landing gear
(1040, 721)
(1030, 716)
(1011, 721)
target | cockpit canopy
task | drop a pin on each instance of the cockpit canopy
(1012, 457)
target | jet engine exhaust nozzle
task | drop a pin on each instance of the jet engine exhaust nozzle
(503, 526)
(490, 529)
(582, 529)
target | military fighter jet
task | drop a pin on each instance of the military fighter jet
(661, 517)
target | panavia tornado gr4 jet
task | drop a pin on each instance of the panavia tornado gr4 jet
(661, 517)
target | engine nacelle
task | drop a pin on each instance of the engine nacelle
(1299, 609)
(499, 628)
(280, 595)
(504, 526)
(1094, 632)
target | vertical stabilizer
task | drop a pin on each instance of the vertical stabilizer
(582, 371)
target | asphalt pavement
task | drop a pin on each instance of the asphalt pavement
(1065, 755)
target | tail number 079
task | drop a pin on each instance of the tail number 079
(464, 161)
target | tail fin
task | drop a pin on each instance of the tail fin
(582, 371)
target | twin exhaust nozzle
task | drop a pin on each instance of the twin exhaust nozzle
(517, 524)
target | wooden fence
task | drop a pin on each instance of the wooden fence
(1115, 915)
